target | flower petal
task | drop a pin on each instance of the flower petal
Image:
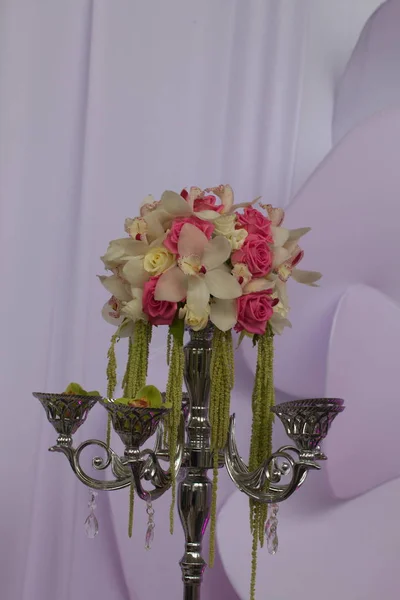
(278, 323)
(236, 207)
(125, 329)
(257, 285)
(224, 314)
(153, 220)
(133, 271)
(279, 256)
(217, 251)
(172, 286)
(281, 292)
(134, 309)
(296, 234)
(280, 235)
(222, 284)
(107, 313)
(225, 193)
(175, 205)
(306, 277)
(147, 200)
(276, 215)
(194, 193)
(121, 250)
(116, 287)
(198, 295)
(207, 215)
(191, 241)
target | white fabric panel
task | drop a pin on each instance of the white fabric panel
(101, 103)
(371, 81)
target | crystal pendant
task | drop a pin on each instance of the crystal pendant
(92, 499)
(91, 523)
(149, 536)
(271, 529)
(91, 526)
(150, 526)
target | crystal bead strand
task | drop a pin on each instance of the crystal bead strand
(271, 528)
(91, 523)
(150, 526)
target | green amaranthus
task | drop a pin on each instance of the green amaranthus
(263, 399)
(134, 379)
(174, 398)
(222, 382)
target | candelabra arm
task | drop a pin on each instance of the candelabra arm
(262, 483)
(122, 474)
(146, 465)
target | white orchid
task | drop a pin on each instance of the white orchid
(133, 262)
(119, 251)
(199, 274)
(133, 310)
(122, 314)
(176, 206)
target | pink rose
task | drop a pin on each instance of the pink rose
(255, 222)
(171, 241)
(256, 254)
(254, 311)
(159, 312)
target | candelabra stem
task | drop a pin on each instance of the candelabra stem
(195, 491)
(194, 510)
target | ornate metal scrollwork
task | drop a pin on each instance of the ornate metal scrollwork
(280, 464)
(68, 412)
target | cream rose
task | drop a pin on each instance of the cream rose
(195, 321)
(225, 225)
(157, 260)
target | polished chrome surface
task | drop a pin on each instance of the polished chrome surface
(66, 412)
(194, 492)
(146, 464)
(280, 466)
(133, 425)
(194, 504)
(306, 422)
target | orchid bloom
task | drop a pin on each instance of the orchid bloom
(201, 272)
(282, 273)
(123, 314)
(176, 206)
(150, 225)
(124, 257)
(133, 262)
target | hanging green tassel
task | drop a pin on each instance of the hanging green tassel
(261, 439)
(174, 397)
(131, 509)
(111, 379)
(134, 379)
(222, 382)
(138, 359)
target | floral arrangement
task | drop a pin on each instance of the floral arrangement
(196, 258)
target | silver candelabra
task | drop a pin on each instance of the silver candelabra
(306, 422)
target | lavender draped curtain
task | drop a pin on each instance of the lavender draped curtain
(102, 103)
